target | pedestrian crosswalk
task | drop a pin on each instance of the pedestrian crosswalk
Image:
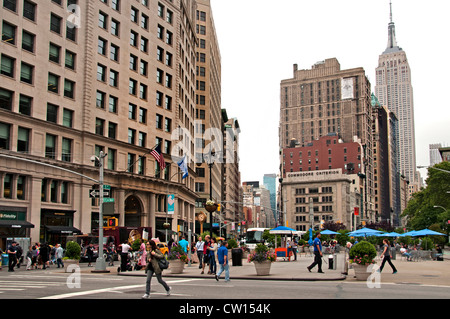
(19, 285)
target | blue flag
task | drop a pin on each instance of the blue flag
(183, 166)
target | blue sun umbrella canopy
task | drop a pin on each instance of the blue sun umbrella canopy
(364, 232)
(426, 232)
(282, 230)
(328, 232)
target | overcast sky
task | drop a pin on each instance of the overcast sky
(261, 40)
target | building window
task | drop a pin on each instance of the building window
(9, 33)
(69, 88)
(7, 66)
(4, 136)
(67, 118)
(25, 103)
(52, 113)
(112, 130)
(26, 73)
(70, 60)
(113, 78)
(53, 83)
(115, 26)
(10, 5)
(28, 41)
(50, 146)
(66, 150)
(23, 138)
(6, 99)
(103, 20)
(55, 23)
(113, 101)
(99, 126)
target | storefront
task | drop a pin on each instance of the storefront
(56, 226)
(13, 225)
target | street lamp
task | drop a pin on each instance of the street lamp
(100, 264)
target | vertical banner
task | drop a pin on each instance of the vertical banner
(171, 204)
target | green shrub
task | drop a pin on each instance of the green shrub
(232, 244)
(363, 253)
(73, 250)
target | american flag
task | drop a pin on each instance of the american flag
(156, 153)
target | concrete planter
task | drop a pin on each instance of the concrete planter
(362, 272)
(176, 266)
(69, 263)
(263, 268)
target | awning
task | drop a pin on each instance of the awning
(16, 224)
(63, 229)
(163, 231)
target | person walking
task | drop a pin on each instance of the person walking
(12, 256)
(124, 256)
(199, 246)
(386, 256)
(212, 257)
(59, 252)
(317, 255)
(154, 254)
(19, 255)
(222, 256)
(205, 252)
(89, 251)
(44, 252)
(184, 244)
(29, 257)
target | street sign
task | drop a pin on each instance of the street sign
(95, 193)
(108, 200)
(170, 204)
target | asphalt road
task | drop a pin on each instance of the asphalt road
(61, 286)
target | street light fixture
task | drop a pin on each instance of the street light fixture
(439, 169)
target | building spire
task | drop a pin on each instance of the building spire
(392, 41)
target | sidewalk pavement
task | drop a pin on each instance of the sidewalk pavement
(424, 272)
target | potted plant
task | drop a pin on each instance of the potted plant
(166, 225)
(178, 259)
(262, 258)
(211, 206)
(361, 256)
(72, 255)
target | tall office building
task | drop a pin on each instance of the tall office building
(394, 89)
(111, 76)
(326, 100)
(209, 117)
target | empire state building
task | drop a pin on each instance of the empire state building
(394, 89)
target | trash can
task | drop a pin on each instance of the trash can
(5, 259)
(332, 261)
(236, 256)
(393, 253)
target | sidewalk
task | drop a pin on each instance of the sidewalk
(428, 272)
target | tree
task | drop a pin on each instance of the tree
(420, 212)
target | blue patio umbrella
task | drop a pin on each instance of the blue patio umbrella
(411, 233)
(426, 232)
(328, 232)
(363, 232)
(282, 230)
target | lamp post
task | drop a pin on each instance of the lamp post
(100, 264)
(439, 169)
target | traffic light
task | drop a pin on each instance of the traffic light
(113, 222)
(218, 207)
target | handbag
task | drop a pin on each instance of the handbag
(163, 263)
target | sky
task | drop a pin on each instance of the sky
(261, 40)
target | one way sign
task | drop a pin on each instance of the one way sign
(95, 193)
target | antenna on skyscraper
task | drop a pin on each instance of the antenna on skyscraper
(390, 6)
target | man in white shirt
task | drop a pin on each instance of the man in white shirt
(124, 256)
(199, 247)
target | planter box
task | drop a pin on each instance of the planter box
(263, 268)
(176, 266)
(69, 263)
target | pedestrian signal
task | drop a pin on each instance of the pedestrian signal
(113, 222)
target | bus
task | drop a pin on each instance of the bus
(254, 236)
